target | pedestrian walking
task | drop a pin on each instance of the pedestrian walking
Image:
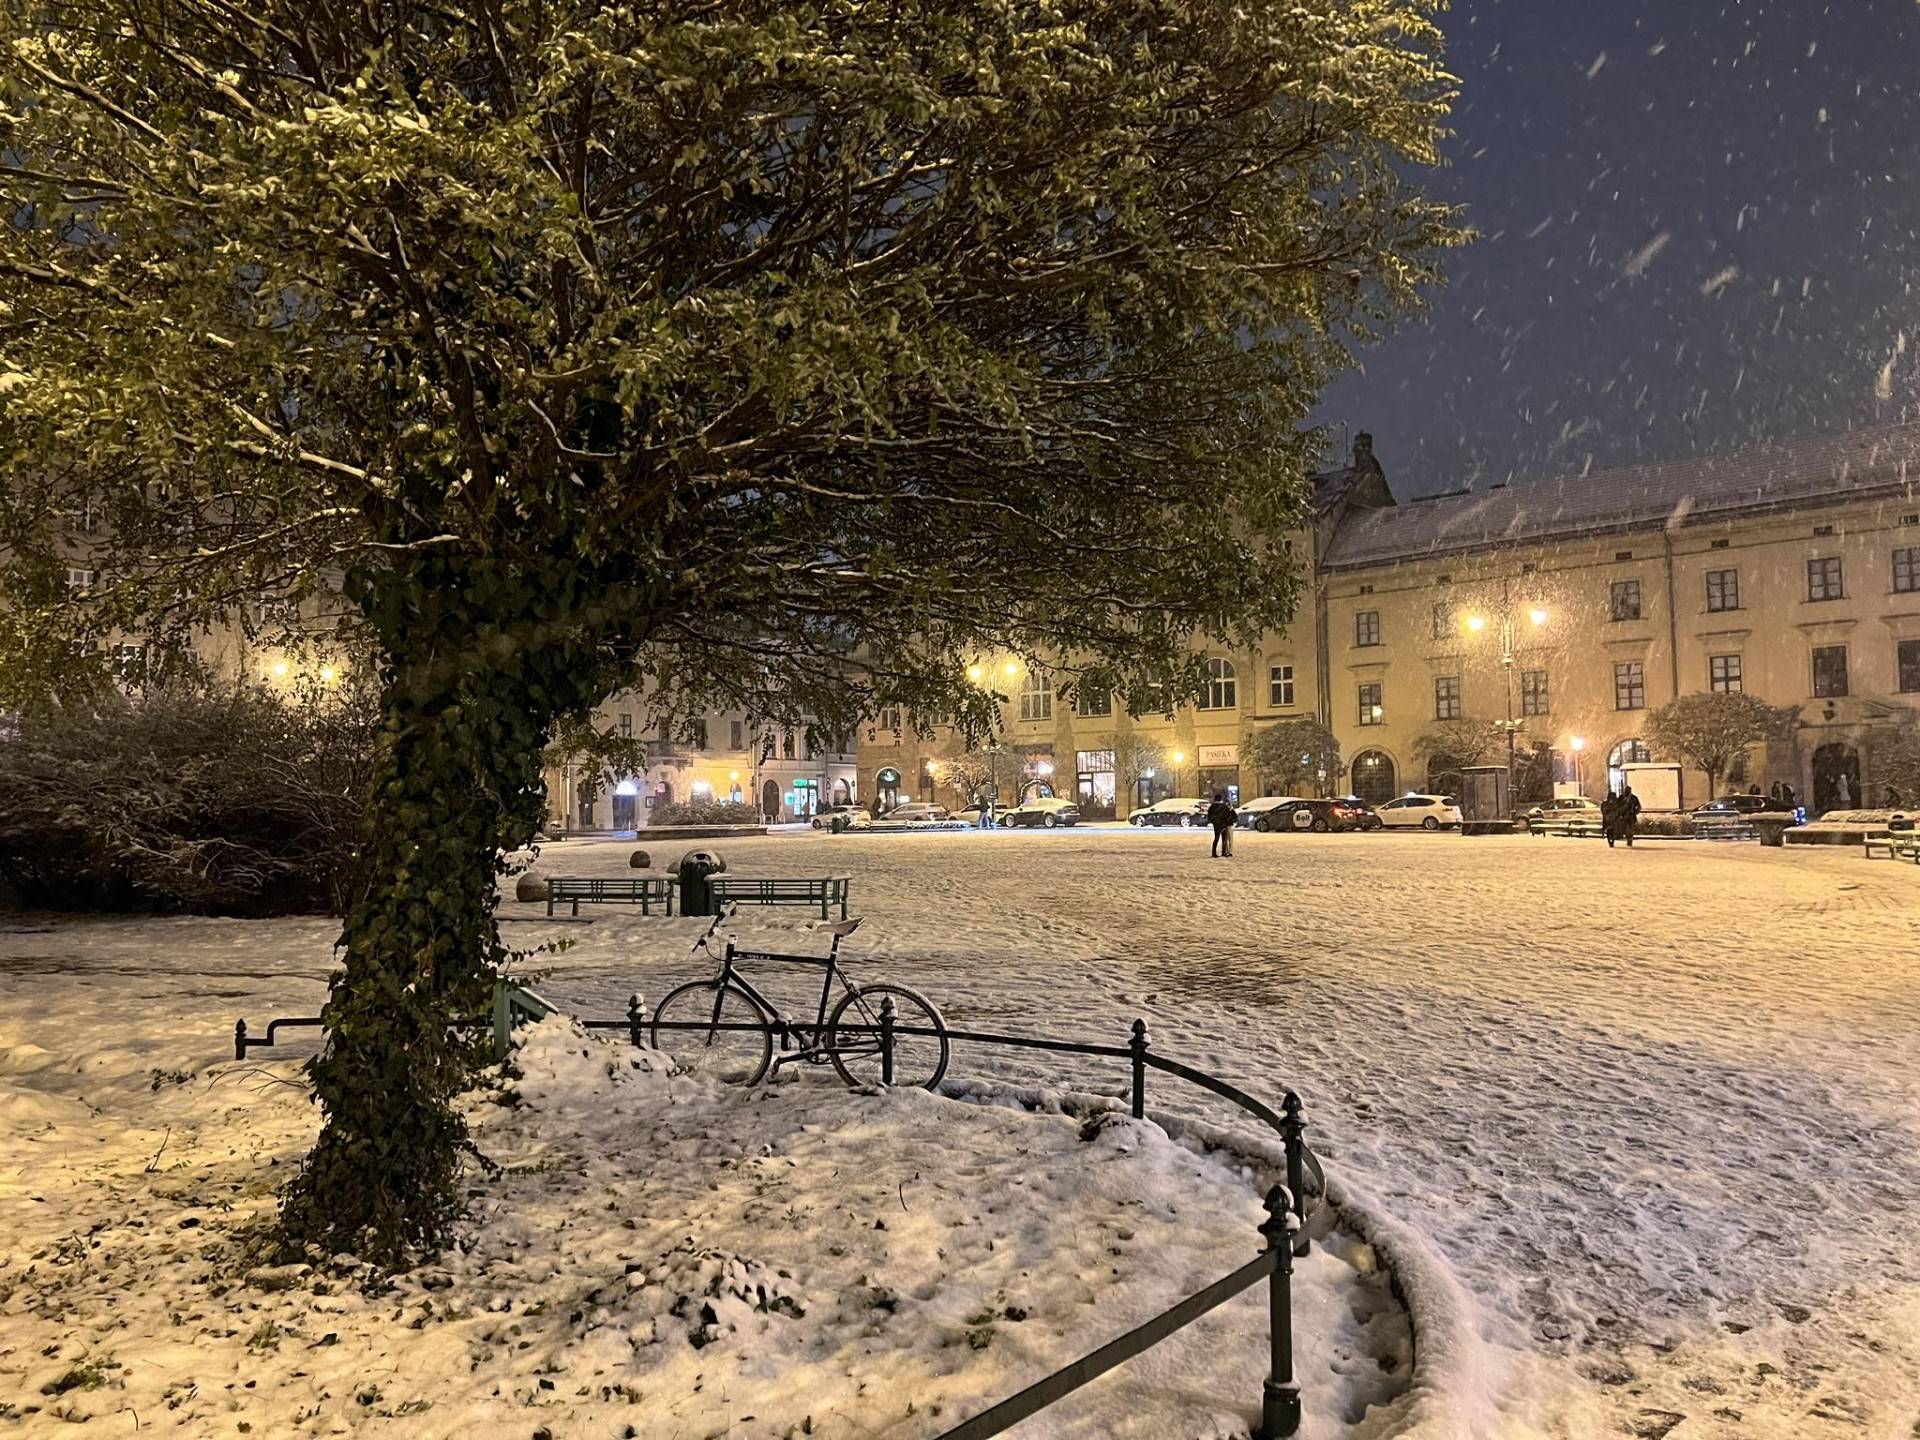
(1775, 795)
(1610, 818)
(1628, 809)
(1221, 816)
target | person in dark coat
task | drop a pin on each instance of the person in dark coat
(1628, 809)
(1774, 796)
(1221, 816)
(1610, 818)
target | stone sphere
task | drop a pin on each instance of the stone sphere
(640, 860)
(531, 885)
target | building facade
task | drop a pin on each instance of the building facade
(1561, 612)
(785, 773)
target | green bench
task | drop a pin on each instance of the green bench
(1899, 844)
(821, 894)
(646, 891)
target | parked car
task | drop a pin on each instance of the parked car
(1254, 815)
(852, 817)
(1044, 811)
(1360, 813)
(916, 810)
(1185, 811)
(1733, 807)
(970, 813)
(1318, 816)
(1428, 812)
(1563, 807)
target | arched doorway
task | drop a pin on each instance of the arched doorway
(842, 793)
(1627, 752)
(770, 799)
(1374, 780)
(886, 789)
(1836, 776)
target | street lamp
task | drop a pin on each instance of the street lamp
(1179, 758)
(1511, 725)
(1579, 744)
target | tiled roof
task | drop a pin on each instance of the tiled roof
(1674, 492)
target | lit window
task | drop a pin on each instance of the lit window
(1366, 627)
(1626, 600)
(1443, 620)
(1723, 674)
(1372, 712)
(1446, 697)
(1091, 700)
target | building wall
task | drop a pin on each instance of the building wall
(733, 762)
(1771, 635)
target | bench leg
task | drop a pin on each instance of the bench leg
(549, 904)
(576, 909)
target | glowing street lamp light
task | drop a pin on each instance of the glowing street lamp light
(1537, 616)
(976, 672)
(1476, 623)
(279, 669)
(329, 675)
(1012, 668)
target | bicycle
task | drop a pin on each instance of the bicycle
(732, 1024)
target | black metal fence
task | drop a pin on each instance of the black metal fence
(1282, 1234)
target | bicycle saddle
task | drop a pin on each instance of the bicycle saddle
(844, 928)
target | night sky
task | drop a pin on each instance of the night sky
(1699, 225)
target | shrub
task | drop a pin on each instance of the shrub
(242, 803)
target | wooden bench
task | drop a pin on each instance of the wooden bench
(1725, 827)
(646, 891)
(823, 893)
(1899, 844)
(1877, 840)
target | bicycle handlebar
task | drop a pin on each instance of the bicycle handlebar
(725, 912)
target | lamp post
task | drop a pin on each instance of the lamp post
(1511, 725)
(1179, 758)
(1579, 744)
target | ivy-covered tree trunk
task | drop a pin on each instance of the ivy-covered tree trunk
(457, 783)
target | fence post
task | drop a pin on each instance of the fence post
(887, 1014)
(502, 1023)
(1280, 1395)
(1293, 1124)
(1138, 1045)
(636, 1020)
(239, 1039)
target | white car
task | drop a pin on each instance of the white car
(1256, 814)
(1045, 811)
(1184, 810)
(852, 817)
(1563, 808)
(1428, 812)
(916, 810)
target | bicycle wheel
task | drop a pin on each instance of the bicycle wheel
(917, 1059)
(712, 1045)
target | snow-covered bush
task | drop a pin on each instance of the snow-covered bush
(246, 802)
(705, 812)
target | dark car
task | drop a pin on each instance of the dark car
(1319, 816)
(1734, 807)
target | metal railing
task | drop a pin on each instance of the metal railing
(1282, 1232)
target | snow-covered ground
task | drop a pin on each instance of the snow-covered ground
(1656, 1109)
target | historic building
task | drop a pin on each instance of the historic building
(1569, 607)
(784, 773)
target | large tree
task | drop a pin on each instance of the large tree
(768, 355)
(1712, 729)
(1301, 756)
(1452, 746)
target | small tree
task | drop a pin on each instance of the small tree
(1897, 758)
(1297, 755)
(1135, 756)
(969, 766)
(1452, 746)
(1710, 730)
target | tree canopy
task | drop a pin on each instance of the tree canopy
(767, 355)
(1301, 756)
(1712, 729)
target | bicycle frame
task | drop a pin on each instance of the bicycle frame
(808, 1039)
